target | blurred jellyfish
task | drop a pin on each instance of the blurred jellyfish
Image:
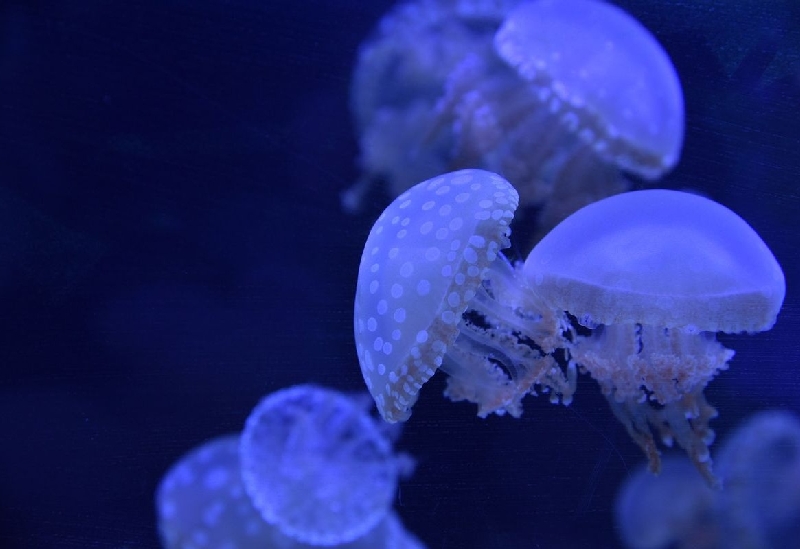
(654, 274)
(759, 506)
(399, 77)
(673, 510)
(434, 292)
(317, 466)
(558, 96)
(202, 503)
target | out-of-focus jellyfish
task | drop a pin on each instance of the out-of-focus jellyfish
(759, 464)
(434, 292)
(201, 503)
(654, 274)
(589, 92)
(317, 466)
(400, 75)
(673, 510)
(558, 96)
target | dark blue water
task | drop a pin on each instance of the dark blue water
(172, 248)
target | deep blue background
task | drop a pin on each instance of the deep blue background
(172, 249)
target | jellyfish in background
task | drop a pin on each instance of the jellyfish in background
(202, 503)
(435, 292)
(757, 508)
(560, 97)
(398, 79)
(654, 274)
(311, 469)
(317, 466)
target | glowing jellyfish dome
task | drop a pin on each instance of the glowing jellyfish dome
(434, 292)
(317, 466)
(201, 503)
(654, 275)
(558, 96)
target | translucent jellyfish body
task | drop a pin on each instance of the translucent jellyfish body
(317, 466)
(654, 274)
(434, 292)
(399, 77)
(759, 465)
(201, 503)
(673, 510)
(580, 91)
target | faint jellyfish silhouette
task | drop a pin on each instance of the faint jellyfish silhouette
(316, 465)
(398, 78)
(581, 90)
(654, 274)
(201, 503)
(672, 510)
(759, 464)
(434, 291)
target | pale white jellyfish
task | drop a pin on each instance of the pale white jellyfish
(317, 466)
(434, 292)
(201, 503)
(759, 464)
(654, 274)
(400, 75)
(579, 90)
(674, 510)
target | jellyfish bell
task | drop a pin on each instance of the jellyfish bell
(318, 466)
(655, 274)
(604, 73)
(434, 292)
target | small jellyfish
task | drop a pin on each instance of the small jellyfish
(317, 466)
(673, 510)
(759, 464)
(434, 292)
(201, 503)
(654, 274)
(577, 92)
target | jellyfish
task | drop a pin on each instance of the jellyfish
(673, 510)
(577, 92)
(435, 292)
(652, 275)
(316, 465)
(201, 503)
(759, 465)
(399, 77)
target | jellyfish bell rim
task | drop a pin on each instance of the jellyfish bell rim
(586, 278)
(528, 45)
(484, 203)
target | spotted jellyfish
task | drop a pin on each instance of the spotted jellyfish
(577, 93)
(201, 503)
(435, 292)
(652, 276)
(317, 466)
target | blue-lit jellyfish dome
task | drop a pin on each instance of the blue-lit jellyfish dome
(759, 465)
(201, 503)
(317, 466)
(654, 275)
(434, 292)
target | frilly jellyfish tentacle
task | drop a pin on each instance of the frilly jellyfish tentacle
(434, 291)
(657, 273)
